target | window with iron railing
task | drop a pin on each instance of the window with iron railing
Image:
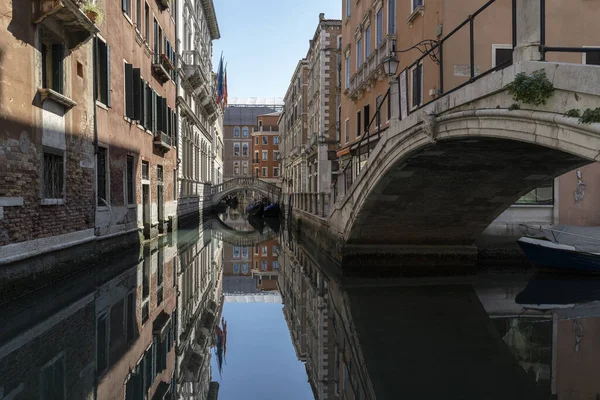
(54, 175)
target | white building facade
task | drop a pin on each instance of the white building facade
(198, 113)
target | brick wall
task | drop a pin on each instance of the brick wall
(22, 120)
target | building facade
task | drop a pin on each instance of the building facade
(239, 122)
(199, 116)
(200, 303)
(294, 131)
(136, 160)
(48, 142)
(372, 30)
(322, 92)
(265, 148)
(135, 328)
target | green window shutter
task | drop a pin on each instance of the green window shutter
(159, 114)
(129, 91)
(137, 94)
(57, 67)
(107, 75)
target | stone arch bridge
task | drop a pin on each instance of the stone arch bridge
(438, 177)
(219, 192)
(221, 231)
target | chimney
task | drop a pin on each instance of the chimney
(321, 17)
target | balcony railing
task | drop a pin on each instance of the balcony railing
(194, 68)
(371, 70)
(68, 14)
(162, 140)
(162, 67)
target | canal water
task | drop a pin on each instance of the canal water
(239, 309)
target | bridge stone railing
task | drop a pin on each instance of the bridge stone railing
(317, 204)
(243, 183)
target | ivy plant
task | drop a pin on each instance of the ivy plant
(575, 113)
(532, 89)
(590, 116)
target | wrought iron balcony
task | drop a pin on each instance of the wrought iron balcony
(68, 15)
(162, 67)
(194, 68)
(162, 140)
(371, 70)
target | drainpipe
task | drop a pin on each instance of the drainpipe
(178, 61)
(95, 96)
(95, 93)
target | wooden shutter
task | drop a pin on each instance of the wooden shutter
(137, 94)
(175, 129)
(57, 67)
(142, 103)
(107, 75)
(154, 111)
(164, 114)
(159, 114)
(148, 119)
(129, 91)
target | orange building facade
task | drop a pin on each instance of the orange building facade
(265, 148)
(373, 30)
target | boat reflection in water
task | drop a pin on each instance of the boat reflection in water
(491, 336)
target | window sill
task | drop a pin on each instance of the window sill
(147, 49)
(128, 18)
(52, 202)
(49, 94)
(102, 208)
(419, 11)
(101, 105)
(138, 37)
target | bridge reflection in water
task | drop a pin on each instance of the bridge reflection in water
(144, 325)
(491, 336)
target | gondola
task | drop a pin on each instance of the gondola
(272, 211)
(256, 209)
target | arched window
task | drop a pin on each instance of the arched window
(245, 131)
(236, 268)
(236, 131)
(244, 268)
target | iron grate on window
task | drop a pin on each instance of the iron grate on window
(53, 176)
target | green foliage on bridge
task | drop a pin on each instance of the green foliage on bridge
(532, 89)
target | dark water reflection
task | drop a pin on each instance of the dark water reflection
(188, 316)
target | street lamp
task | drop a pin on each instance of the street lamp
(390, 65)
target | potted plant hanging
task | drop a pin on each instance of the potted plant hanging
(93, 12)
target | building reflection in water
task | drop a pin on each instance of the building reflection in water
(147, 325)
(494, 336)
(140, 326)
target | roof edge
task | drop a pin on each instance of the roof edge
(211, 17)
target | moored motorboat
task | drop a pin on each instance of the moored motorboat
(565, 247)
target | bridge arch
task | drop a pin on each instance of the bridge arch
(441, 176)
(219, 192)
(221, 231)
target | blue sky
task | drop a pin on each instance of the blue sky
(260, 363)
(263, 40)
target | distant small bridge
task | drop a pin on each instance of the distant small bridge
(218, 192)
(225, 233)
